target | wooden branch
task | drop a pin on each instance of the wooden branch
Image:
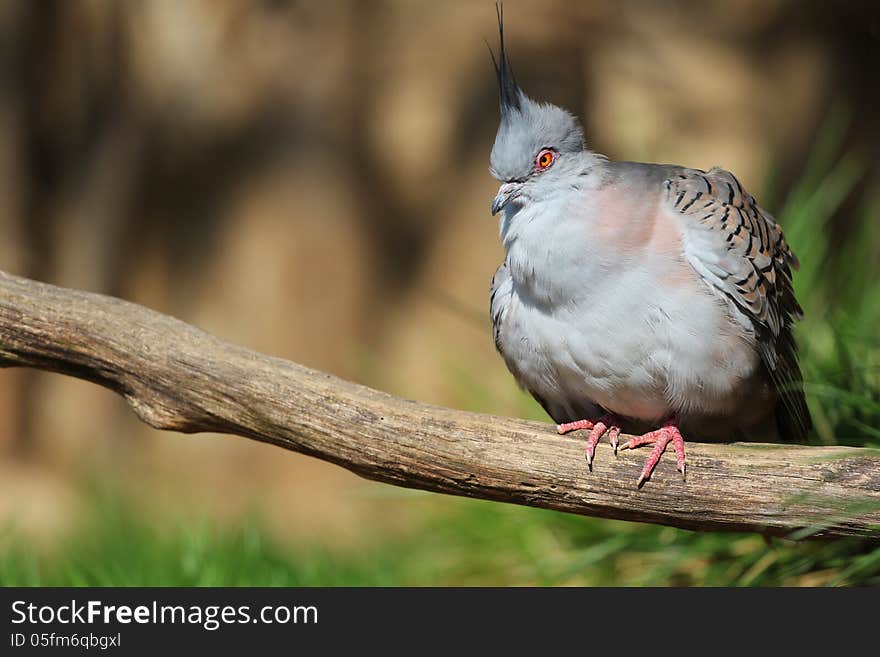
(180, 378)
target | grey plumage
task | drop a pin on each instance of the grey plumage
(526, 126)
(656, 293)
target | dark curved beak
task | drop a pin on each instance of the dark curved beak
(506, 193)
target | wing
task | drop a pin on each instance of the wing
(738, 249)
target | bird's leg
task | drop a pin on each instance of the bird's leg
(666, 434)
(574, 426)
(606, 424)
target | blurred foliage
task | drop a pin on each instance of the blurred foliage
(839, 289)
(471, 542)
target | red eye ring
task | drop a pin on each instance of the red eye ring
(544, 159)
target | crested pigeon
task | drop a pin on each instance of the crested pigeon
(655, 299)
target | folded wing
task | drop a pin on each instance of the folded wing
(738, 248)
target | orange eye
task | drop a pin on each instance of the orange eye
(544, 159)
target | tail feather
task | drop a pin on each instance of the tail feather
(793, 417)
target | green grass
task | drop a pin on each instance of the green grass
(839, 287)
(467, 542)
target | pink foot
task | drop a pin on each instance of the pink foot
(666, 434)
(607, 424)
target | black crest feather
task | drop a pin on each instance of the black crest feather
(508, 89)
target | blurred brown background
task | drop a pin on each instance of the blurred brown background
(310, 179)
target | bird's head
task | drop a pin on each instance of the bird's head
(534, 139)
